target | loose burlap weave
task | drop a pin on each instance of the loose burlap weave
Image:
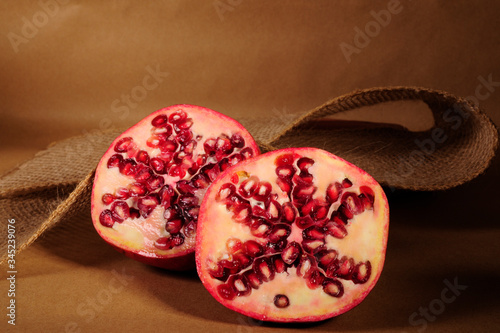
(55, 186)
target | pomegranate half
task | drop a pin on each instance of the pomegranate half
(149, 184)
(293, 235)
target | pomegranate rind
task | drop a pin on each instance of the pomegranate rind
(129, 237)
(367, 240)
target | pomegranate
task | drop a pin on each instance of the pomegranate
(293, 235)
(149, 185)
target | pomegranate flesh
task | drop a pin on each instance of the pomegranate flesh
(293, 235)
(149, 185)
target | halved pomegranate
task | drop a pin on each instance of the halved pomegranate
(293, 235)
(149, 185)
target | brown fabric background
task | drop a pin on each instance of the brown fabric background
(70, 75)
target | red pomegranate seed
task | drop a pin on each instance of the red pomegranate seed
(211, 171)
(262, 191)
(252, 248)
(189, 147)
(352, 203)
(306, 266)
(159, 121)
(128, 167)
(288, 212)
(168, 146)
(247, 153)
(281, 301)
(122, 145)
(200, 181)
(273, 211)
(143, 174)
(154, 183)
(237, 140)
(326, 257)
(185, 187)
(122, 193)
(333, 192)
(167, 195)
(187, 201)
(225, 291)
(147, 204)
(285, 185)
(285, 171)
(303, 193)
(184, 136)
(291, 252)
(164, 243)
(263, 266)
(346, 183)
(173, 226)
(333, 287)
(171, 213)
(285, 159)
(190, 229)
(313, 246)
(242, 213)
(106, 218)
(120, 211)
(315, 280)
(115, 161)
(258, 211)
(158, 165)
(177, 117)
(335, 229)
(183, 125)
(304, 222)
(233, 245)
(177, 171)
(313, 232)
(304, 163)
(253, 278)
(339, 218)
(108, 198)
(343, 210)
(240, 285)
(209, 146)
(346, 266)
(279, 264)
(137, 189)
(279, 232)
(225, 191)
(260, 228)
(216, 270)
(367, 197)
(248, 187)
(155, 140)
(362, 272)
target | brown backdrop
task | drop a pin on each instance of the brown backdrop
(73, 67)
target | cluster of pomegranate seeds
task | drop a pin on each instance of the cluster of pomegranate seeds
(251, 202)
(174, 174)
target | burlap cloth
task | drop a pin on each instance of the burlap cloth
(54, 187)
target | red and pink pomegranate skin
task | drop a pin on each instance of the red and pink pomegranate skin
(150, 183)
(293, 235)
